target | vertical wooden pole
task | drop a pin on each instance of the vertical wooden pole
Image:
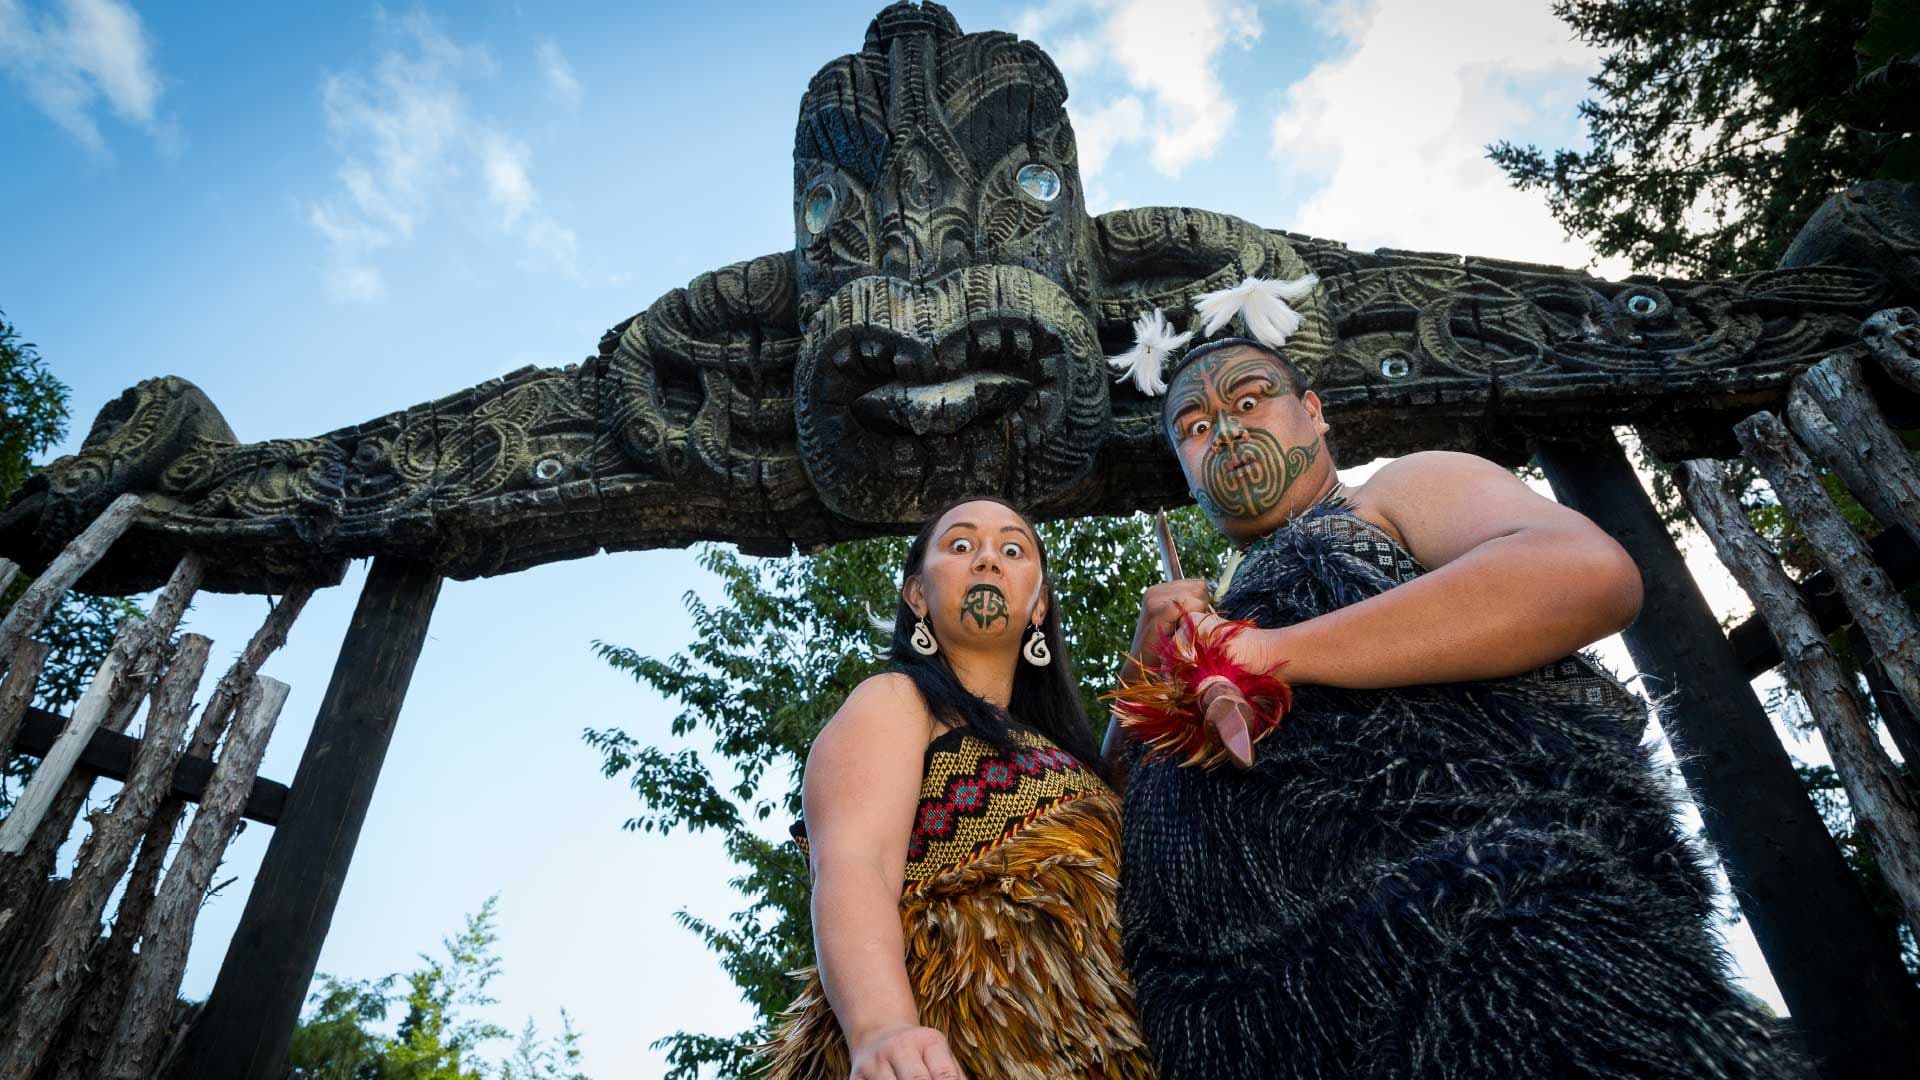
(1894, 711)
(110, 965)
(244, 1030)
(1844, 983)
(1881, 802)
(34, 605)
(73, 926)
(16, 691)
(147, 1012)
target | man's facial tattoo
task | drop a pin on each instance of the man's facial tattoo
(1245, 472)
(985, 604)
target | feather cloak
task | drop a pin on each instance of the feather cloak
(1468, 880)
(1014, 956)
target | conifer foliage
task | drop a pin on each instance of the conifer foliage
(1717, 127)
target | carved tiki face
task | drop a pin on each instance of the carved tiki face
(943, 255)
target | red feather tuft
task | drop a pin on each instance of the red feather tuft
(1163, 710)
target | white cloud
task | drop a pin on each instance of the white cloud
(1167, 54)
(92, 51)
(510, 191)
(1098, 133)
(509, 188)
(409, 138)
(1399, 122)
(356, 282)
(558, 73)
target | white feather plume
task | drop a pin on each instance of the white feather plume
(1153, 344)
(1261, 303)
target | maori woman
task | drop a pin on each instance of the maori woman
(962, 845)
(1452, 855)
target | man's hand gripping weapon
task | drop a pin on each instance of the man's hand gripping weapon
(1195, 701)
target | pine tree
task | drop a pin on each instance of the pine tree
(1717, 127)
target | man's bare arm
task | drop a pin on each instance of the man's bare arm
(1517, 581)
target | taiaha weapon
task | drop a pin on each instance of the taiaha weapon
(1169, 554)
(1196, 674)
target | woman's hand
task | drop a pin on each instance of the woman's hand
(905, 1053)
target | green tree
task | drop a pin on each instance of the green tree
(33, 408)
(33, 417)
(434, 1039)
(1717, 127)
(768, 666)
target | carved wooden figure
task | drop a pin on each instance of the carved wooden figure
(937, 328)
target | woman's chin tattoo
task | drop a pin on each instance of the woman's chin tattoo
(986, 605)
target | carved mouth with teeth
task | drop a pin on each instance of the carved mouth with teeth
(978, 373)
(987, 381)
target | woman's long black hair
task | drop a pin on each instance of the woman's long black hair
(1045, 699)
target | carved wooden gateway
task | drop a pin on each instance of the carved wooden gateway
(938, 328)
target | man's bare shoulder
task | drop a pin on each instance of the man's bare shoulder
(1418, 472)
(1422, 479)
(1442, 503)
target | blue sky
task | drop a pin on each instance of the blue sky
(323, 213)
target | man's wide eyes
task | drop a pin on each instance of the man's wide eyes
(1199, 427)
(1247, 403)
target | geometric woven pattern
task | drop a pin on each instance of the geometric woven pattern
(975, 796)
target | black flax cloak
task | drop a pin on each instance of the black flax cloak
(1467, 880)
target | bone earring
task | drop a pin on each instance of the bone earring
(922, 640)
(1036, 651)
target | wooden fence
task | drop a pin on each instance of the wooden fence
(76, 1002)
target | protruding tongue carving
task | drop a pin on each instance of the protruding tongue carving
(942, 408)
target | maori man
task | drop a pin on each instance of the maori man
(1453, 857)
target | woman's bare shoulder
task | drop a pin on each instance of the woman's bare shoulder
(886, 706)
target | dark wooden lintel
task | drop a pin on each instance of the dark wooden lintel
(110, 754)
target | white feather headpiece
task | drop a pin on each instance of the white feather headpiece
(1153, 344)
(1261, 302)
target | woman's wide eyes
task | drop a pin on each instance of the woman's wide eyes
(961, 545)
(1011, 550)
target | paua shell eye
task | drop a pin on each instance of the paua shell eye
(1644, 303)
(817, 210)
(1038, 181)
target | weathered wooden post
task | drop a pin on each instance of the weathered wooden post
(147, 1012)
(1874, 789)
(244, 1030)
(44, 594)
(1844, 983)
(74, 925)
